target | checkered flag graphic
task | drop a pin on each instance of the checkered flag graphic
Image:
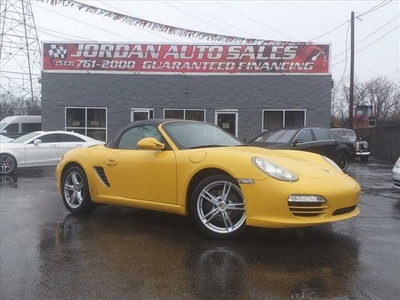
(57, 51)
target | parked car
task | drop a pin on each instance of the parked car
(361, 145)
(311, 139)
(16, 126)
(4, 139)
(396, 175)
(40, 148)
(198, 169)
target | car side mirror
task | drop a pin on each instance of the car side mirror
(37, 142)
(295, 142)
(3, 131)
(150, 143)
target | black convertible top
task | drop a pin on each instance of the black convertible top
(151, 122)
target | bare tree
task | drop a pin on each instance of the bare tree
(379, 92)
(383, 95)
(10, 106)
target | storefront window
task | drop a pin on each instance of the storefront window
(185, 114)
(283, 118)
(88, 121)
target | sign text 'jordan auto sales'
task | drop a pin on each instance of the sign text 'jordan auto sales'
(178, 58)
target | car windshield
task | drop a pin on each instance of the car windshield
(279, 136)
(25, 137)
(190, 135)
(345, 133)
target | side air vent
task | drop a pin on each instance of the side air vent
(102, 175)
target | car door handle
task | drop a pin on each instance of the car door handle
(111, 163)
(53, 145)
(78, 145)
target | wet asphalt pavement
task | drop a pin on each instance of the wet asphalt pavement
(123, 253)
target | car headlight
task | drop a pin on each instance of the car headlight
(366, 145)
(332, 163)
(273, 169)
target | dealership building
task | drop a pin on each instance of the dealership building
(96, 88)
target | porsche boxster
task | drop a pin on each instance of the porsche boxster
(198, 169)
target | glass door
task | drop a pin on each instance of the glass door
(227, 120)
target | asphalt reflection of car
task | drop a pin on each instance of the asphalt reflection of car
(311, 139)
(396, 175)
(40, 148)
(198, 169)
(361, 146)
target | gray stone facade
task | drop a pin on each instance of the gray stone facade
(248, 94)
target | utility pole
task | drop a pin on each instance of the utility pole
(19, 51)
(351, 73)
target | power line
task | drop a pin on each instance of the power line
(368, 35)
(376, 7)
(46, 30)
(192, 15)
(380, 5)
(254, 20)
(144, 29)
(330, 31)
(218, 20)
(345, 65)
(85, 23)
(367, 45)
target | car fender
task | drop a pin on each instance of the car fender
(19, 157)
(342, 147)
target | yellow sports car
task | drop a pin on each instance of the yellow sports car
(197, 169)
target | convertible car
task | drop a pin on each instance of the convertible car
(198, 169)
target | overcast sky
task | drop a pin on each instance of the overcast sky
(377, 33)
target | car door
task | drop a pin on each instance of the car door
(304, 140)
(325, 143)
(67, 142)
(45, 152)
(148, 175)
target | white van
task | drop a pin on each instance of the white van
(15, 126)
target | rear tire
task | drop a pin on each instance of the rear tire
(75, 191)
(217, 207)
(342, 160)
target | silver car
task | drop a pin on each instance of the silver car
(396, 175)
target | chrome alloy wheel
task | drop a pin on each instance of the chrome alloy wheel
(74, 189)
(220, 207)
(7, 164)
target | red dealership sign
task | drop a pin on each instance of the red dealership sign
(179, 58)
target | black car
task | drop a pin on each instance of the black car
(312, 139)
(361, 145)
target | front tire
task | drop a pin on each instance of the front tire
(217, 207)
(342, 160)
(75, 191)
(7, 164)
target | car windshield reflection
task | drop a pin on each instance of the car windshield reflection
(25, 137)
(190, 135)
(280, 136)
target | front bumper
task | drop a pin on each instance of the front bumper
(267, 202)
(363, 153)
